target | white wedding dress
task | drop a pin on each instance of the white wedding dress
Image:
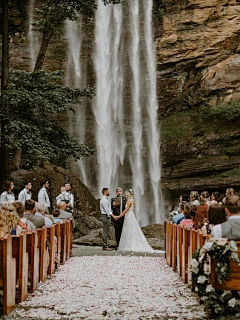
(132, 238)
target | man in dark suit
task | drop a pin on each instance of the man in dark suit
(118, 205)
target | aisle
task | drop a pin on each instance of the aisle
(112, 287)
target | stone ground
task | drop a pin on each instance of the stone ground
(96, 284)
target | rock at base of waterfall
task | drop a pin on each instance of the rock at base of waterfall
(94, 238)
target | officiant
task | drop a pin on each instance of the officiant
(118, 205)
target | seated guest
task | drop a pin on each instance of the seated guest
(216, 215)
(179, 215)
(194, 198)
(231, 228)
(56, 214)
(202, 210)
(187, 221)
(41, 210)
(24, 223)
(9, 220)
(26, 193)
(65, 214)
(215, 198)
(229, 192)
(8, 196)
(30, 209)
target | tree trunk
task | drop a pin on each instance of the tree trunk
(17, 158)
(4, 164)
(42, 52)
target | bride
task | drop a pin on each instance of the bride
(132, 238)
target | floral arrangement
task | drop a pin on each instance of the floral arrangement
(219, 303)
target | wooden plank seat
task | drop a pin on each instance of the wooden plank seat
(68, 238)
(52, 249)
(169, 234)
(63, 230)
(7, 274)
(174, 246)
(191, 249)
(58, 251)
(179, 249)
(185, 245)
(33, 259)
(19, 247)
(43, 253)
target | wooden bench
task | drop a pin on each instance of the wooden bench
(43, 253)
(58, 236)
(169, 233)
(52, 249)
(63, 230)
(19, 247)
(7, 274)
(33, 259)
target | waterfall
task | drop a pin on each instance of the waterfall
(33, 36)
(136, 155)
(153, 133)
(75, 78)
(108, 105)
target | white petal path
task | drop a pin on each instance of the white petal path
(112, 287)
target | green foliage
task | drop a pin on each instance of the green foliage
(35, 100)
(219, 304)
(158, 8)
(222, 112)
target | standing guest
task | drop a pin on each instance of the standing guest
(106, 213)
(67, 197)
(231, 228)
(215, 198)
(26, 193)
(41, 210)
(202, 210)
(216, 215)
(65, 215)
(42, 194)
(187, 221)
(194, 198)
(118, 205)
(30, 209)
(8, 196)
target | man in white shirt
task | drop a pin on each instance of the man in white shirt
(41, 210)
(42, 194)
(26, 193)
(231, 228)
(106, 213)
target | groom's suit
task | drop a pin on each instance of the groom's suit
(117, 210)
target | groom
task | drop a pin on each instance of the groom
(118, 205)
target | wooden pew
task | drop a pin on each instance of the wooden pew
(7, 274)
(19, 247)
(43, 253)
(58, 236)
(33, 259)
(174, 246)
(63, 231)
(169, 233)
(52, 249)
(191, 249)
(179, 249)
(68, 238)
(185, 244)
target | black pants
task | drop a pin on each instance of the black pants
(118, 225)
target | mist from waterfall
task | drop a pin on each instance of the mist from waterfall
(108, 104)
(136, 155)
(75, 77)
(154, 129)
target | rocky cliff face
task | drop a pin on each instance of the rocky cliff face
(198, 58)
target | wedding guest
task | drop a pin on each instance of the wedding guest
(215, 197)
(106, 213)
(216, 215)
(202, 210)
(41, 210)
(180, 213)
(26, 193)
(9, 220)
(231, 228)
(42, 194)
(229, 192)
(8, 196)
(187, 220)
(25, 224)
(194, 198)
(56, 214)
(67, 197)
(30, 209)
(65, 215)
